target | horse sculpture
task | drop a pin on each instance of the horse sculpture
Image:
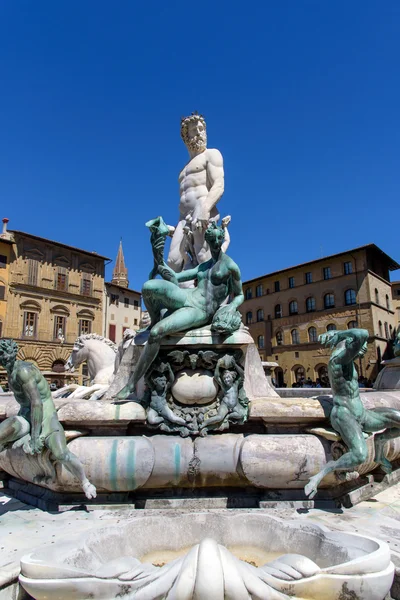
(99, 353)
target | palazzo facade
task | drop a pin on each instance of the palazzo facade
(287, 310)
(54, 293)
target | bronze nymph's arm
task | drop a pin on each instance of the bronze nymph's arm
(187, 275)
(217, 376)
(353, 339)
(237, 290)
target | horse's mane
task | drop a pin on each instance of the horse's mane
(80, 341)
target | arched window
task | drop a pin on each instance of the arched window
(293, 309)
(387, 302)
(376, 296)
(310, 304)
(295, 336)
(312, 334)
(386, 331)
(279, 338)
(259, 290)
(58, 366)
(260, 341)
(260, 315)
(249, 317)
(380, 329)
(352, 325)
(350, 297)
(329, 301)
(278, 311)
(299, 374)
(248, 294)
(331, 327)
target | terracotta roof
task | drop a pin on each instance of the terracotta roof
(393, 265)
(42, 239)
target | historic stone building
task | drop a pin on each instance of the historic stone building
(55, 293)
(5, 259)
(396, 300)
(287, 310)
(122, 306)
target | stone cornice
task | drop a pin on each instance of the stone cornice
(40, 292)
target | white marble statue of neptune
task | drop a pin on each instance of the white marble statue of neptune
(201, 184)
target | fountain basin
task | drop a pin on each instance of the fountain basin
(211, 555)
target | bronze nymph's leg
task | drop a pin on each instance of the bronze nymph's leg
(159, 294)
(57, 445)
(351, 432)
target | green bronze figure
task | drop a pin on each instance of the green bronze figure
(36, 426)
(188, 308)
(396, 346)
(349, 417)
(234, 404)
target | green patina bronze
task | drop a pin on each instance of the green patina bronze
(349, 417)
(36, 427)
(173, 309)
(396, 346)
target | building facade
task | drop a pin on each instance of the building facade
(396, 300)
(55, 293)
(122, 306)
(287, 310)
(5, 259)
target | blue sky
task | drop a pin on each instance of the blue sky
(301, 97)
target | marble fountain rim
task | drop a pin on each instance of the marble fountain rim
(378, 551)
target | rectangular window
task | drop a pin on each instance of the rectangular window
(291, 282)
(59, 327)
(277, 286)
(136, 303)
(86, 285)
(30, 319)
(111, 332)
(114, 299)
(398, 292)
(62, 279)
(327, 273)
(32, 271)
(135, 321)
(126, 302)
(348, 268)
(259, 290)
(2, 292)
(308, 277)
(85, 326)
(3, 261)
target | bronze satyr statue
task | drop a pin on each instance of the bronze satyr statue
(349, 417)
(36, 426)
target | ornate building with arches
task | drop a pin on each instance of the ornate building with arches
(287, 310)
(54, 293)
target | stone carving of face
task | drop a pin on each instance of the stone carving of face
(197, 136)
(160, 383)
(228, 378)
